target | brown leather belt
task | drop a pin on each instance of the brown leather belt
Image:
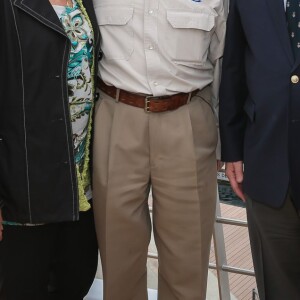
(148, 103)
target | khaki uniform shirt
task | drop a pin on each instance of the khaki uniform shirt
(161, 47)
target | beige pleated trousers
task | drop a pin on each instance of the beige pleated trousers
(174, 154)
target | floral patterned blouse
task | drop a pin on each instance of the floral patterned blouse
(80, 89)
(80, 85)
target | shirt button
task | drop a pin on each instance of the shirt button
(155, 83)
(151, 47)
(294, 79)
(151, 12)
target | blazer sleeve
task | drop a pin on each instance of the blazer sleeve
(233, 89)
(2, 58)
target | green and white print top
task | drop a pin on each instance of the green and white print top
(80, 90)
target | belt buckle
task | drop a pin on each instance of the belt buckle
(147, 103)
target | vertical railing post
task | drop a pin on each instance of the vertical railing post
(220, 253)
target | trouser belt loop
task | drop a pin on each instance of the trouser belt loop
(189, 98)
(117, 95)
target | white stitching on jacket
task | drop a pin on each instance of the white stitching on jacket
(24, 115)
(41, 17)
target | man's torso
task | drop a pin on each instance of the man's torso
(159, 47)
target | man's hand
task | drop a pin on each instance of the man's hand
(1, 226)
(235, 174)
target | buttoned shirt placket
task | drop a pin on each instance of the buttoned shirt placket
(151, 45)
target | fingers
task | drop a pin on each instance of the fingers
(239, 173)
(234, 172)
(239, 192)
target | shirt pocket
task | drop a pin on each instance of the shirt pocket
(117, 32)
(188, 35)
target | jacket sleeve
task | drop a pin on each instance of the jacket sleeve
(2, 57)
(233, 89)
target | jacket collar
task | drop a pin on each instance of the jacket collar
(42, 11)
(277, 11)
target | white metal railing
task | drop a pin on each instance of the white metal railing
(221, 265)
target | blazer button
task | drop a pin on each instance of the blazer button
(294, 79)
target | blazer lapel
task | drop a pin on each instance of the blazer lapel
(297, 62)
(278, 14)
(42, 11)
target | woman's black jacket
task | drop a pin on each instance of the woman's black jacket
(37, 171)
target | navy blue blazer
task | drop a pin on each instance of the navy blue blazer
(259, 103)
